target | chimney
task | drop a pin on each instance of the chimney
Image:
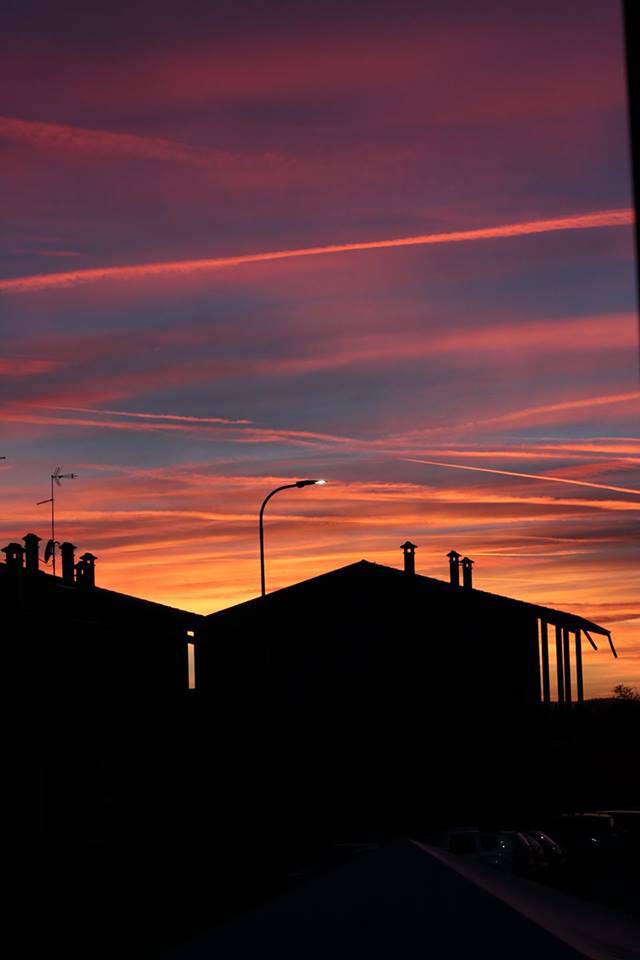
(86, 570)
(31, 542)
(68, 552)
(14, 553)
(454, 568)
(409, 557)
(467, 564)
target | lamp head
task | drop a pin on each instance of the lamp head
(308, 483)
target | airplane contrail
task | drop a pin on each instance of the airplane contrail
(47, 281)
(147, 416)
(529, 476)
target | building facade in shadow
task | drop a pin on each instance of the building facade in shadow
(94, 691)
(375, 692)
(363, 691)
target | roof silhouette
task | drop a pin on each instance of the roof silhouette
(364, 572)
(45, 583)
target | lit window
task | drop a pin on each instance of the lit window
(191, 663)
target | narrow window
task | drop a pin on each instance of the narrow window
(191, 661)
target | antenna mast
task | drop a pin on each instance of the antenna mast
(56, 477)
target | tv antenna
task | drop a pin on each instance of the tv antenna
(50, 549)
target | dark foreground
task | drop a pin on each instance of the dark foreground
(385, 898)
(231, 849)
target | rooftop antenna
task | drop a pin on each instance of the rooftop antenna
(50, 549)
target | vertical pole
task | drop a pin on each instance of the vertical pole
(579, 679)
(53, 528)
(262, 583)
(567, 665)
(544, 648)
(559, 664)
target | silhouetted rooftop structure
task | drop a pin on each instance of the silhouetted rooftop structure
(370, 621)
(129, 714)
(376, 574)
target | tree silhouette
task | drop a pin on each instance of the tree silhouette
(622, 692)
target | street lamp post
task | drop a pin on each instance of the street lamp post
(287, 486)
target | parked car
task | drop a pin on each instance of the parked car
(627, 822)
(465, 840)
(554, 854)
(627, 827)
(540, 857)
(507, 850)
(583, 836)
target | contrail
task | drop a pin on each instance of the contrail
(584, 221)
(612, 398)
(529, 476)
(147, 416)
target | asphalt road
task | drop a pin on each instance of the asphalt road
(397, 901)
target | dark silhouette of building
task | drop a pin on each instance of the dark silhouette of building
(94, 684)
(133, 719)
(372, 695)
(368, 631)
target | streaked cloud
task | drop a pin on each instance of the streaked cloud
(170, 417)
(226, 168)
(584, 221)
(529, 476)
(26, 366)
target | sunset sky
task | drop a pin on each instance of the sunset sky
(203, 296)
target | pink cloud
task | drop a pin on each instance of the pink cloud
(236, 170)
(595, 220)
(26, 366)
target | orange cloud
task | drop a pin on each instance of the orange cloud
(563, 411)
(587, 221)
(567, 405)
(130, 516)
(597, 445)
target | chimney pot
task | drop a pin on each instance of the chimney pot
(32, 560)
(68, 552)
(14, 553)
(454, 568)
(467, 573)
(86, 570)
(409, 557)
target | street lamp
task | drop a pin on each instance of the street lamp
(287, 486)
